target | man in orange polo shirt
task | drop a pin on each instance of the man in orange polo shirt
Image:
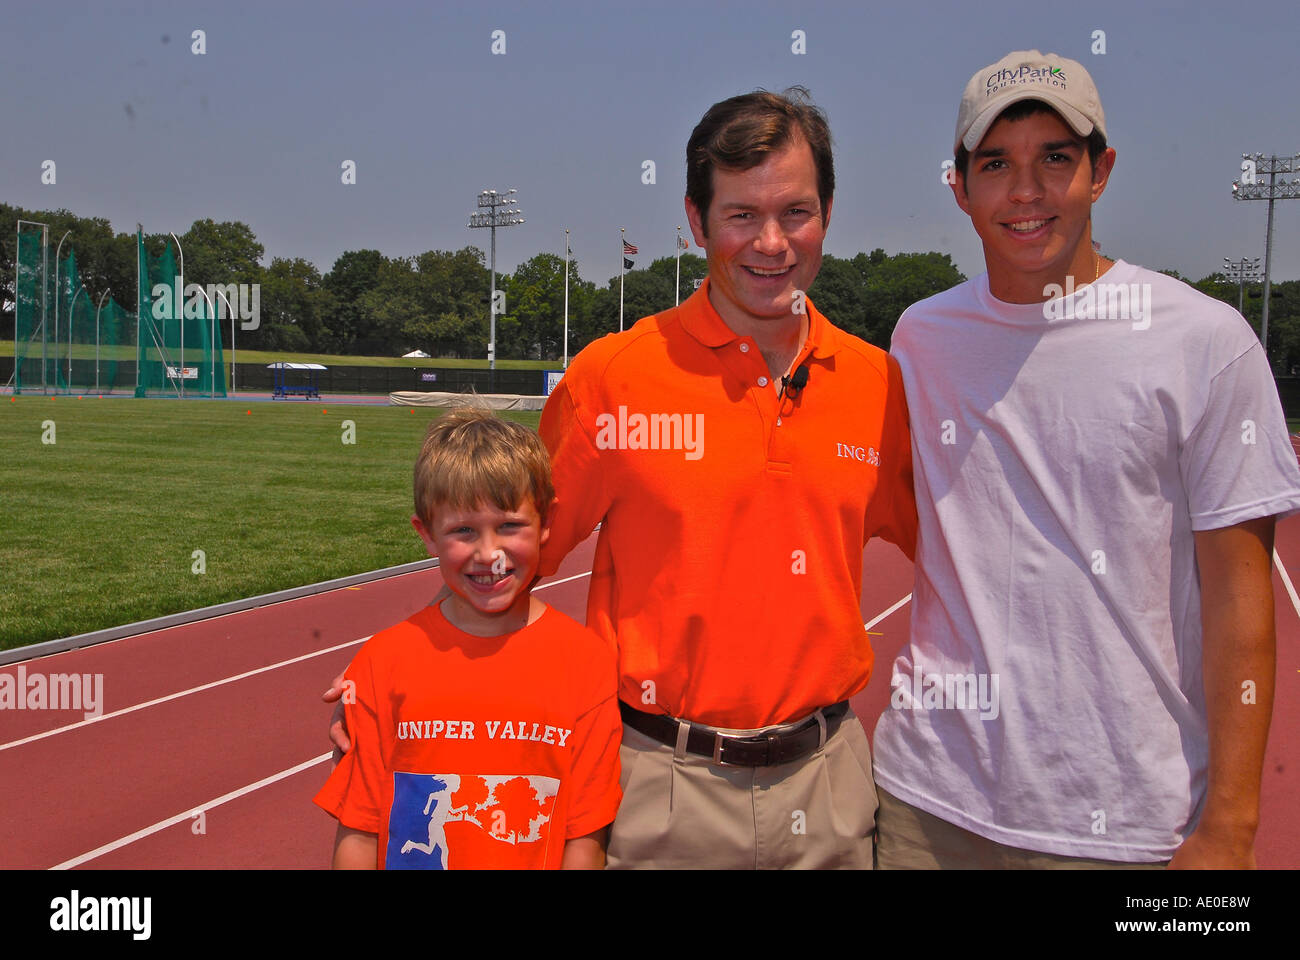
(738, 451)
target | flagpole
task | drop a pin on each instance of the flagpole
(622, 263)
(566, 300)
(677, 297)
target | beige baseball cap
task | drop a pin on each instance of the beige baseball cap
(1028, 75)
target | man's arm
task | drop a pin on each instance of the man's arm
(355, 849)
(339, 720)
(586, 853)
(582, 499)
(1238, 655)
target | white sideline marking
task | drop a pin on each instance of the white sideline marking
(188, 814)
(882, 616)
(174, 696)
(556, 583)
(1286, 582)
(234, 794)
(217, 683)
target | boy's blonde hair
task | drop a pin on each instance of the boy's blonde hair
(471, 457)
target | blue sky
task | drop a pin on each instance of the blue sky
(256, 129)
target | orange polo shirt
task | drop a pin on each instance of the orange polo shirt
(729, 558)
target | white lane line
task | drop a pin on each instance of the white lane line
(174, 696)
(1286, 582)
(234, 794)
(887, 612)
(556, 583)
(189, 814)
(218, 683)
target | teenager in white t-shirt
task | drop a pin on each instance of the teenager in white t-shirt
(1100, 457)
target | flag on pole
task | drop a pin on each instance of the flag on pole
(627, 264)
(682, 243)
(629, 249)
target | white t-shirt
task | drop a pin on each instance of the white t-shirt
(1051, 696)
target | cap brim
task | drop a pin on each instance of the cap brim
(976, 131)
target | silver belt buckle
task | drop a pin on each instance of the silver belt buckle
(779, 730)
(768, 733)
(717, 747)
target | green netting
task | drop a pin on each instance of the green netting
(64, 342)
(69, 338)
(179, 350)
(115, 368)
(34, 364)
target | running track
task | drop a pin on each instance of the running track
(224, 717)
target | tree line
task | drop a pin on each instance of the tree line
(370, 304)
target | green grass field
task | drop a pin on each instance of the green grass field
(100, 527)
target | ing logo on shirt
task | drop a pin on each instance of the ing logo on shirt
(430, 811)
(861, 454)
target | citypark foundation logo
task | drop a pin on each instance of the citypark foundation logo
(243, 300)
(1099, 301)
(655, 431)
(947, 691)
(1044, 74)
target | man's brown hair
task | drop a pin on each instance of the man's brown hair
(471, 457)
(740, 133)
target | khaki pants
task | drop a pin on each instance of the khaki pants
(684, 811)
(911, 839)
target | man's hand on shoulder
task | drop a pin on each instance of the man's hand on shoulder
(338, 722)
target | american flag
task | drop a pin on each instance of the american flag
(628, 248)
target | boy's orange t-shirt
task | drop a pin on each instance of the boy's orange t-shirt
(479, 752)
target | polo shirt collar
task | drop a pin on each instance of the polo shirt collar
(701, 321)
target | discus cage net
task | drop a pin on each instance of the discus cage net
(71, 339)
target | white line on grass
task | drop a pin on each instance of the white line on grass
(1286, 582)
(218, 683)
(882, 616)
(189, 814)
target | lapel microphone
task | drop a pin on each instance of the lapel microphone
(794, 383)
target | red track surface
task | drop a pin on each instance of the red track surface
(66, 796)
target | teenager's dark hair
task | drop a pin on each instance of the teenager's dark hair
(1027, 108)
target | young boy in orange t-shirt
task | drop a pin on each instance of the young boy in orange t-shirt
(485, 728)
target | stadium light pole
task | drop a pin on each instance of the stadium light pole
(181, 319)
(44, 359)
(503, 213)
(1242, 271)
(677, 295)
(1247, 188)
(97, 309)
(564, 366)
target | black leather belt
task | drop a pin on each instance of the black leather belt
(761, 748)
